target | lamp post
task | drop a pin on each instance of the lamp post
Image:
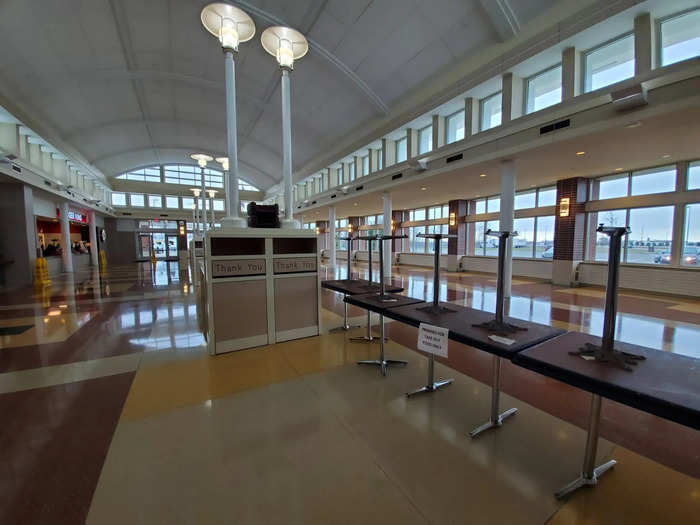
(286, 45)
(195, 211)
(211, 206)
(202, 159)
(227, 193)
(230, 25)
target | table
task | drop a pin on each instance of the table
(664, 384)
(380, 303)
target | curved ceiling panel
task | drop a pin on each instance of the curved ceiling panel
(130, 83)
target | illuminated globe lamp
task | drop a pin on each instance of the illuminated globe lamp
(231, 26)
(286, 45)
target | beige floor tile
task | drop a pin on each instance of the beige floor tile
(58, 325)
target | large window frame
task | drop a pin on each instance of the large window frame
(530, 108)
(425, 139)
(586, 82)
(455, 117)
(659, 35)
(482, 103)
(397, 146)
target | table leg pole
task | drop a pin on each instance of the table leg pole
(346, 325)
(589, 473)
(431, 385)
(368, 337)
(382, 362)
(496, 419)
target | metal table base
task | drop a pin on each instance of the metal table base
(368, 337)
(431, 385)
(496, 419)
(346, 325)
(589, 473)
(382, 362)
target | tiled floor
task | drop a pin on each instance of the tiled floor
(113, 413)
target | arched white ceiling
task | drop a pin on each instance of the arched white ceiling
(130, 83)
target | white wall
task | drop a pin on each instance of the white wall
(421, 259)
(44, 207)
(533, 268)
(678, 281)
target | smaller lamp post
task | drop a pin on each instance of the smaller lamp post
(202, 159)
(195, 210)
(211, 206)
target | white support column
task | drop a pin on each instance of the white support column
(388, 245)
(331, 236)
(570, 77)
(233, 203)
(287, 150)
(512, 97)
(65, 238)
(644, 33)
(438, 131)
(507, 217)
(93, 239)
(469, 118)
(203, 213)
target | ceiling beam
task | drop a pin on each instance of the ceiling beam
(503, 18)
(374, 99)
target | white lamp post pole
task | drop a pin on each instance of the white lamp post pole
(211, 206)
(231, 26)
(286, 45)
(195, 211)
(202, 160)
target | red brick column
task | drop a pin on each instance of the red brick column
(569, 231)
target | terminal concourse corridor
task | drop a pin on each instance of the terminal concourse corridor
(113, 412)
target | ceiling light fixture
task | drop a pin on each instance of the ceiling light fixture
(580, 153)
(482, 175)
(423, 188)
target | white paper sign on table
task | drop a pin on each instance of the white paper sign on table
(432, 339)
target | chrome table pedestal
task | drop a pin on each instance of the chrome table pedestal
(346, 325)
(590, 473)
(496, 419)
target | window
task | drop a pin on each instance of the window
(609, 63)
(491, 242)
(182, 174)
(493, 204)
(547, 196)
(380, 159)
(401, 150)
(454, 127)
(118, 199)
(417, 214)
(655, 180)
(425, 139)
(525, 199)
(246, 186)
(612, 187)
(351, 171)
(155, 201)
(430, 245)
(691, 236)
(172, 201)
(370, 220)
(543, 89)
(694, 175)
(650, 227)
(480, 206)
(680, 37)
(187, 203)
(490, 111)
(523, 243)
(365, 165)
(218, 204)
(608, 218)
(137, 200)
(339, 172)
(544, 239)
(416, 244)
(143, 175)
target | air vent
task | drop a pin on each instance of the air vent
(333, 196)
(397, 176)
(313, 202)
(359, 188)
(17, 168)
(126, 213)
(557, 125)
(454, 158)
(163, 214)
(47, 183)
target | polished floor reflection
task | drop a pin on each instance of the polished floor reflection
(113, 412)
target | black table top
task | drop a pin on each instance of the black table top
(357, 286)
(373, 302)
(460, 324)
(665, 384)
